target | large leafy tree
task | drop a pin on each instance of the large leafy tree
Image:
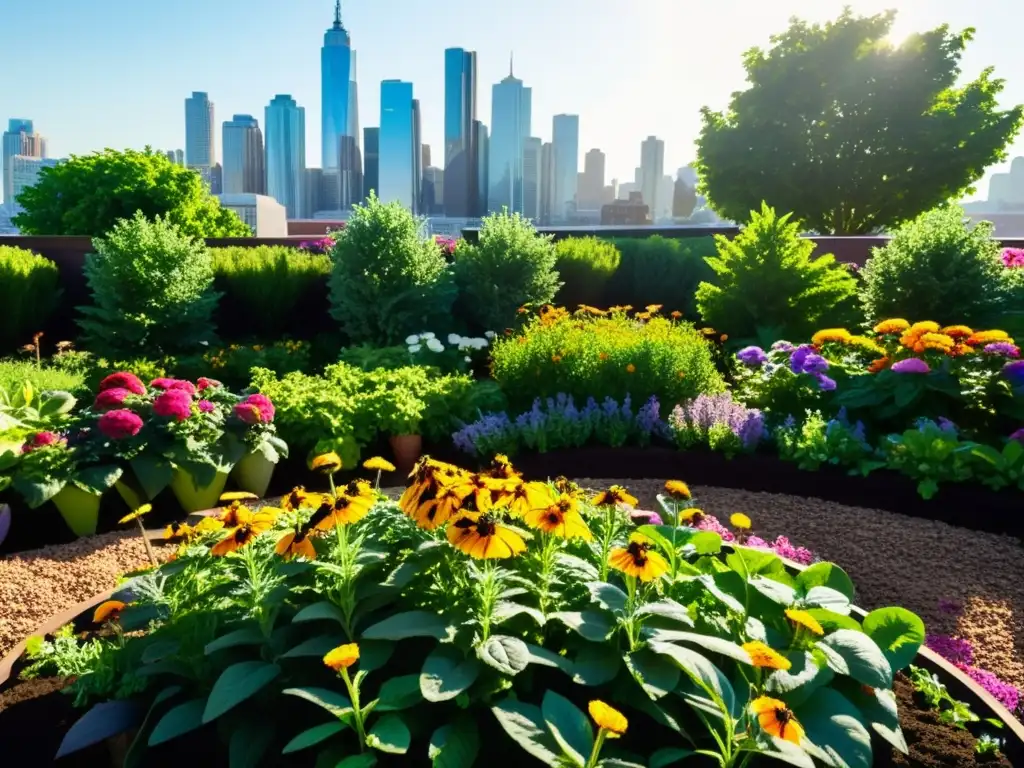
(87, 194)
(851, 133)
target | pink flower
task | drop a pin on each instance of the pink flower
(205, 406)
(174, 403)
(1018, 435)
(255, 409)
(911, 365)
(173, 384)
(1013, 257)
(40, 440)
(120, 424)
(1002, 348)
(106, 399)
(203, 383)
(124, 380)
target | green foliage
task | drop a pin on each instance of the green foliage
(233, 364)
(814, 441)
(928, 454)
(938, 268)
(511, 266)
(602, 357)
(1012, 311)
(29, 291)
(766, 278)
(152, 289)
(388, 280)
(658, 270)
(263, 287)
(14, 374)
(368, 357)
(850, 132)
(585, 266)
(88, 194)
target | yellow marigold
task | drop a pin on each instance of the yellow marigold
(739, 520)
(379, 464)
(864, 344)
(804, 619)
(762, 655)
(988, 337)
(830, 335)
(895, 325)
(342, 657)
(608, 718)
(925, 326)
(678, 490)
(958, 331)
(936, 341)
(328, 463)
(630, 368)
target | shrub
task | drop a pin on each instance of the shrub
(152, 289)
(14, 374)
(936, 267)
(265, 287)
(657, 270)
(388, 281)
(368, 357)
(233, 364)
(766, 279)
(610, 356)
(585, 266)
(510, 266)
(28, 294)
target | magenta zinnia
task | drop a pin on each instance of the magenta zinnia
(107, 399)
(255, 409)
(40, 440)
(123, 380)
(203, 383)
(205, 406)
(173, 404)
(911, 365)
(119, 424)
(170, 385)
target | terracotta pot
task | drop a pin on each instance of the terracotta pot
(80, 509)
(407, 450)
(193, 498)
(252, 473)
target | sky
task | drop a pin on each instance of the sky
(115, 73)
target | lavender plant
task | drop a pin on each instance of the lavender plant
(717, 422)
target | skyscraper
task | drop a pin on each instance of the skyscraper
(425, 155)
(460, 150)
(19, 140)
(399, 148)
(483, 166)
(591, 190)
(371, 173)
(652, 169)
(200, 136)
(566, 140)
(532, 162)
(243, 157)
(286, 154)
(417, 157)
(511, 106)
(176, 156)
(547, 182)
(341, 160)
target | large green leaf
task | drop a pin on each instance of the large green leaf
(367, 760)
(408, 624)
(508, 655)
(153, 474)
(244, 636)
(898, 632)
(657, 675)
(668, 756)
(831, 621)
(321, 611)
(591, 625)
(800, 680)
(97, 479)
(456, 744)
(705, 675)
(249, 741)
(104, 720)
(318, 646)
(595, 664)
(313, 736)
(178, 721)
(608, 596)
(335, 702)
(446, 673)
(38, 491)
(236, 684)
(569, 726)
(399, 693)
(667, 608)
(389, 734)
(835, 729)
(826, 575)
(711, 643)
(753, 562)
(860, 658)
(826, 597)
(524, 723)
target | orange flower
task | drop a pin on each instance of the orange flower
(638, 559)
(556, 358)
(615, 494)
(878, 365)
(295, 544)
(988, 337)
(108, 611)
(602, 356)
(957, 332)
(761, 655)
(630, 368)
(561, 518)
(250, 525)
(342, 657)
(776, 719)
(675, 314)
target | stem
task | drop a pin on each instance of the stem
(673, 555)
(486, 602)
(630, 607)
(353, 693)
(596, 751)
(145, 541)
(546, 567)
(606, 541)
(376, 486)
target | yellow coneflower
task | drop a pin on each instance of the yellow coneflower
(250, 525)
(480, 537)
(342, 657)
(740, 520)
(526, 497)
(179, 532)
(616, 494)
(108, 611)
(295, 544)
(762, 655)
(562, 518)
(608, 718)
(638, 559)
(378, 464)
(327, 463)
(805, 620)
(776, 719)
(693, 515)
(678, 490)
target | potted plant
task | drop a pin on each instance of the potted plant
(398, 409)
(251, 427)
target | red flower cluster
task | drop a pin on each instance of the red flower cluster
(204, 383)
(40, 440)
(119, 424)
(174, 404)
(173, 385)
(107, 399)
(123, 380)
(255, 409)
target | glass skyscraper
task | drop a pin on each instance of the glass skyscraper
(565, 138)
(483, 167)
(399, 145)
(511, 105)
(200, 135)
(341, 159)
(371, 173)
(243, 157)
(460, 151)
(286, 154)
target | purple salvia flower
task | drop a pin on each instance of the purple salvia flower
(1018, 435)
(825, 384)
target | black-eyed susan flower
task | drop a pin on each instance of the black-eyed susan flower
(565, 485)
(678, 490)
(484, 490)
(108, 611)
(561, 518)
(804, 619)
(501, 468)
(179, 532)
(691, 516)
(295, 499)
(346, 510)
(342, 657)
(295, 544)
(481, 537)
(326, 463)
(378, 464)
(208, 524)
(776, 719)
(250, 525)
(765, 657)
(638, 559)
(427, 478)
(526, 497)
(740, 521)
(616, 494)
(608, 718)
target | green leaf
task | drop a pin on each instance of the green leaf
(880, 712)
(506, 609)
(591, 625)
(367, 760)
(244, 636)
(408, 624)
(236, 684)
(37, 492)
(250, 740)
(705, 675)
(667, 608)
(322, 611)
(336, 703)
(97, 479)
(595, 664)
(608, 596)
(399, 693)
(835, 729)
(455, 745)
(161, 649)
(753, 562)
(711, 643)
(153, 474)
(313, 736)
(724, 586)
(656, 675)
(374, 654)
(56, 403)
(569, 726)
(831, 621)
(826, 575)
(178, 721)
(659, 535)
(546, 658)
(389, 734)
(828, 598)
(524, 723)
(668, 756)
(508, 655)
(318, 646)
(898, 632)
(800, 680)
(104, 720)
(446, 673)
(862, 659)
(706, 543)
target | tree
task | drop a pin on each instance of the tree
(850, 133)
(684, 199)
(87, 194)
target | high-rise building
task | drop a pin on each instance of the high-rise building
(341, 159)
(19, 140)
(243, 157)
(483, 166)
(399, 149)
(200, 135)
(285, 122)
(566, 140)
(460, 150)
(511, 106)
(590, 196)
(652, 170)
(25, 172)
(425, 156)
(547, 182)
(432, 194)
(176, 156)
(312, 187)
(417, 156)
(533, 152)
(371, 171)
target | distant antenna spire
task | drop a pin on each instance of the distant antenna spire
(337, 13)
(510, 53)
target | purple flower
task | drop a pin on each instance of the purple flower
(645, 517)
(782, 346)
(911, 365)
(752, 356)
(1004, 693)
(696, 417)
(950, 607)
(783, 548)
(1018, 435)
(1014, 371)
(205, 406)
(954, 649)
(1003, 349)
(799, 356)
(825, 384)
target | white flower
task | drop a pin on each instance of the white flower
(427, 335)
(478, 343)
(489, 334)
(455, 339)
(434, 345)
(469, 359)
(414, 348)
(414, 339)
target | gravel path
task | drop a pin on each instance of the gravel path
(893, 560)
